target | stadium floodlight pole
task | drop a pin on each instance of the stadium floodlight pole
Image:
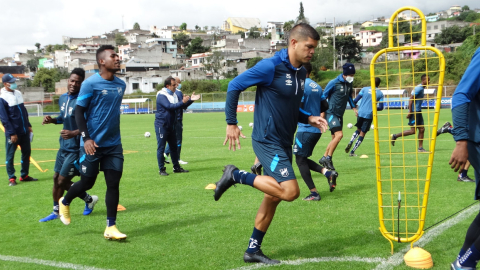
(398, 215)
(334, 53)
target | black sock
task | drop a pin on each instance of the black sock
(473, 233)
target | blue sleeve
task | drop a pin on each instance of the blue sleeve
(261, 74)
(322, 97)
(303, 116)
(9, 130)
(59, 118)
(380, 105)
(85, 95)
(162, 101)
(466, 90)
(359, 96)
(417, 90)
(329, 89)
(350, 100)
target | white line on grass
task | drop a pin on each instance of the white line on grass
(397, 258)
(316, 260)
(47, 263)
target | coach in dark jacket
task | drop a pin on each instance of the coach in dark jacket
(14, 117)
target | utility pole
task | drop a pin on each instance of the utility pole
(123, 28)
(341, 55)
(334, 52)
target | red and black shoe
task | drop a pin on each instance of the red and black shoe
(27, 179)
(12, 182)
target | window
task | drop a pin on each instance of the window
(442, 26)
(135, 86)
(188, 73)
(429, 35)
(154, 85)
(429, 28)
(435, 27)
(172, 50)
(194, 61)
(374, 40)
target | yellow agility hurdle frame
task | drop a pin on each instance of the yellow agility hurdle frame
(416, 234)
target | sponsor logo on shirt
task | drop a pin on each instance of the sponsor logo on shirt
(70, 110)
(313, 85)
(288, 82)
(302, 83)
(284, 172)
(104, 92)
(120, 91)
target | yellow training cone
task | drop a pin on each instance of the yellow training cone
(121, 208)
(211, 186)
(418, 258)
(363, 156)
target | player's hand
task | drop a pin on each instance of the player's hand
(30, 129)
(408, 115)
(355, 111)
(48, 120)
(68, 134)
(233, 132)
(318, 122)
(90, 146)
(14, 138)
(459, 156)
(194, 97)
(186, 99)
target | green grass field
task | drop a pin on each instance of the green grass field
(174, 223)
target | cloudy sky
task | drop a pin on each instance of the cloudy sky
(27, 22)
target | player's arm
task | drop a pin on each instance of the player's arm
(329, 89)
(466, 91)
(24, 112)
(380, 105)
(261, 74)
(9, 130)
(323, 103)
(410, 104)
(352, 104)
(83, 102)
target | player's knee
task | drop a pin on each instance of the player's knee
(292, 195)
(421, 130)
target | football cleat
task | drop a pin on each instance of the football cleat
(166, 158)
(225, 182)
(113, 233)
(352, 155)
(421, 150)
(456, 266)
(179, 170)
(50, 217)
(312, 197)
(64, 211)
(12, 182)
(28, 179)
(163, 172)
(444, 128)
(257, 168)
(348, 147)
(89, 206)
(329, 164)
(322, 161)
(332, 180)
(464, 179)
(393, 138)
(182, 162)
(258, 257)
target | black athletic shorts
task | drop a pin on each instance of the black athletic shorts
(305, 142)
(65, 163)
(107, 158)
(363, 124)
(276, 160)
(416, 119)
(335, 123)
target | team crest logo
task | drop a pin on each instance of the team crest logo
(104, 92)
(341, 88)
(161, 135)
(289, 76)
(120, 91)
(295, 150)
(284, 172)
(288, 82)
(84, 169)
(70, 110)
(302, 83)
(334, 123)
(63, 107)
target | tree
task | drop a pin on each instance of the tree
(37, 45)
(182, 40)
(195, 46)
(348, 47)
(183, 26)
(47, 78)
(120, 39)
(322, 59)
(205, 28)
(212, 28)
(269, 36)
(241, 33)
(453, 34)
(136, 26)
(465, 8)
(32, 64)
(287, 26)
(301, 16)
(253, 32)
(253, 61)
(213, 63)
(197, 27)
(49, 48)
(472, 16)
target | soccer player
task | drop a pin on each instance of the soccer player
(463, 175)
(179, 124)
(18, 130)
(338, 92)
(166, 117)
(365, 115)
(415, 117)
(97, 115)
(280, 84)
(307, 137)
(69, 150)
(466, 123)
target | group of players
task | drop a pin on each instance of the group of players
(90, 140)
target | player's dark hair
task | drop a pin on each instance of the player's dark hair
(79, 71)
(303, 31)
(168, 81)
(101, 50)
(423, 76)
(308, 67)
(377, 82)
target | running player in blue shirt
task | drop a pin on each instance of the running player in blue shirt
(98, 120)
(280, 82)
(415, 117)
(67, 155)
(307, 137)
(466, 132)
(365, 114)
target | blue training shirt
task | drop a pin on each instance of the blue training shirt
(67, 118)
(102, 99)
(418, 92)
(466, 103)
(279, 93)
(312, 97)
(365, 108)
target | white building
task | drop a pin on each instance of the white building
(369, 38)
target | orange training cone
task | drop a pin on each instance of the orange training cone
(418, 258)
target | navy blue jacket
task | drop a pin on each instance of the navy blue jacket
(184, 107)
(280, 88)
(13, 114)
(466, 103)
(167, 106)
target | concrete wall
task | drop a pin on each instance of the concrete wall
(257, 44)
(186, 75)
(33, 94)
(154, 55)
(142, 84)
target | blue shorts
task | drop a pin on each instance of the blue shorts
(416, 119)
(107, 158)
(335, 123)
(305, 142)
(276, 160)
(65, 163)
(363, 124)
